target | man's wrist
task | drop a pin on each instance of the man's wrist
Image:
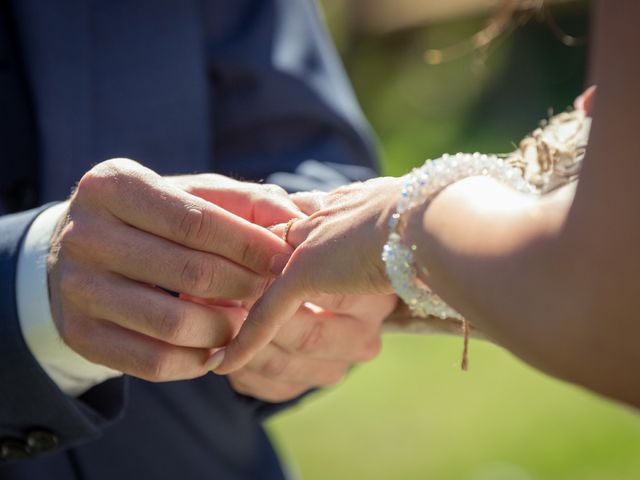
(72, 373)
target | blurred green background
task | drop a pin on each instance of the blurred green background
(411, 413)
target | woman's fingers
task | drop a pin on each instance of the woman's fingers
(275, 308)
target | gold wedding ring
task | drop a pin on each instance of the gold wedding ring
(287, 228)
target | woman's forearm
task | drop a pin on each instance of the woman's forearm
(508, 263)
(486, 250)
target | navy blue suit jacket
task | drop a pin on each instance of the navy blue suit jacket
(249, 88)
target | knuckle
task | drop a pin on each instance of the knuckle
(198, 275)
(245, 253)
(158, 368)
(172, 326)
(276, 366)
(76, 236)
(195, 227)
(71, 234)
(118, 168)
(252, 254)
(72, 332)
(71, 283)
(104, 178)
(311, 338)
(275, 190)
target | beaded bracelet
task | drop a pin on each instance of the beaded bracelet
(420, 186)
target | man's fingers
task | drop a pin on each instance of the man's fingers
(276, 307)
(157, 314)
(150, 259)
(106, 343)
(143, 199)
(264, 205)
(261, 203)
(329, 336)
(274, 363)
(255, 385)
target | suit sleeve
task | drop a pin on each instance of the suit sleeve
(283, 109)
(26, 428)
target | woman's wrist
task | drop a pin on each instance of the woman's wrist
(388, 202)
(473, 217)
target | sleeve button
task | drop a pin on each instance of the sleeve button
(40, 440)
(13, 450)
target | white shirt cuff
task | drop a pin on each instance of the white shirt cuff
(72, 373)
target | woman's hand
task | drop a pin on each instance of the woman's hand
(316, 348)
(337, 251)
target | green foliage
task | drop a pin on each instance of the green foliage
(412, 414)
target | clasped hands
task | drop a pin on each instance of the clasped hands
(131, 237)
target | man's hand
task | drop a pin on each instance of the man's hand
(130, 235)
(317, 347)
(260, 203)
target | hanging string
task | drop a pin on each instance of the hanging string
(509, 15)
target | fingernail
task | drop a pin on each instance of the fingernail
(278, 262)
(215, 360)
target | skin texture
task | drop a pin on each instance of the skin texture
(337, 251)
(317, 348)
(130, 233)
(326, 336)
(554, 279)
